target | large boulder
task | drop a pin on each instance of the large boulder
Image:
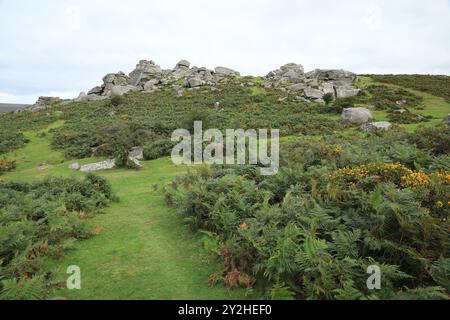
(118, 91)
(346, 92)
(194, 83)
(145, 71)
(150, 85)
(104, 165)
(327, 87)
(114, 79)
(83, 97)
(297, 87)
(332, 75)
(203, 74)
(183, 64)
(376, 126)
(356, 115)
(313, 94)
(96, 90)
(181, 70)
(291, 72)
(226, 72)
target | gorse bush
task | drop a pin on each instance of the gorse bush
(42, 219)
(335, 208)
(11, 140)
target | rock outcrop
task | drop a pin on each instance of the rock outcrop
(43, 103)
(148, 76)
(314, 84)
(291, 72)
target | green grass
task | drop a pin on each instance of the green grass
(144, 249)
(432, 84)
(436, 107)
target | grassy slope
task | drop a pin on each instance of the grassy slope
(436, 107)
(144, 250)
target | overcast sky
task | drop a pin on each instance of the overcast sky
(62, 47)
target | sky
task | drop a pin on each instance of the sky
(63, 47)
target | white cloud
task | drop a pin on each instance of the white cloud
(68, 45)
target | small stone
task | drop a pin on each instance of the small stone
(376, 126)
(75, 166)
(137, 153)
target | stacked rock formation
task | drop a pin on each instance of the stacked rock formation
(148, 76)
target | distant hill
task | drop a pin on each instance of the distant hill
(6, 107)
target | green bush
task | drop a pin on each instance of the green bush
(328, 98)
(387, 98)
(338, 205)
(117, 101)
(42, 219)
(407, 117)
(11, 140)
(158, 149)
(435, 140)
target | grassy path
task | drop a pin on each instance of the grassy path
(144, 250)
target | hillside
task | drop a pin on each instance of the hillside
(349, 194)
(7, 107)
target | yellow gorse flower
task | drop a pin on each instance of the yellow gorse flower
(415, 180)
(392, 172)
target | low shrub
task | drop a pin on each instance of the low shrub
(336, 207)
(158, 149)
(11, 140)
(388, 98)
(42, 219)
(328, 98)
(435, 85)
(435, 139)
(117, 101)
(407, 117)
